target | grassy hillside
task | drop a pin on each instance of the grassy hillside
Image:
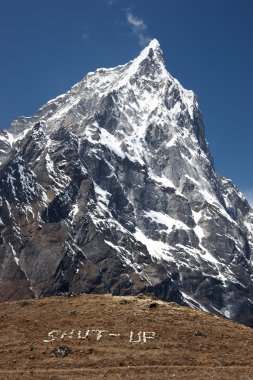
(105, 337)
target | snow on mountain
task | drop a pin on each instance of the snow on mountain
(111, 188)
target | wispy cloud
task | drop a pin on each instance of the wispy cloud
(110, 3)
(138, 27)
(85, 33)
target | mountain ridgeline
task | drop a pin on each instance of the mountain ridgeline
(111, 188)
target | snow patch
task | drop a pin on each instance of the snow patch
(193, 303)
(162, 180)
(166, 220)
(156, 249)
(16, 259)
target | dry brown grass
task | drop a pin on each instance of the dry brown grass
(188, 344)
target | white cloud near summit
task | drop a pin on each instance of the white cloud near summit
(139, 28)
(110, 3)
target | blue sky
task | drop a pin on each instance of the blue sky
(47, 46)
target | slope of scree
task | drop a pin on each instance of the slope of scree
(111, 188)
(97, 337)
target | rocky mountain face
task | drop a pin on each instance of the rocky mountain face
(111, 188)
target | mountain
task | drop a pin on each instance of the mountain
(97, 337)
(111, 188)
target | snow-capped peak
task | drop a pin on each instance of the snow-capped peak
(156, 48)
(154, 44)
(148, 66)
(110, 188)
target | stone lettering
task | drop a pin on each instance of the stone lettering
(148, 335)
(98, 334)
(131, 339)
(87, 334)
(52, 335)
(69, 335)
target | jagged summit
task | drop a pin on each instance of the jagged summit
(111, 188)
(153, 44)
(152, 51)
(149, 65)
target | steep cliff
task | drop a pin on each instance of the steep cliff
(111, 188)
